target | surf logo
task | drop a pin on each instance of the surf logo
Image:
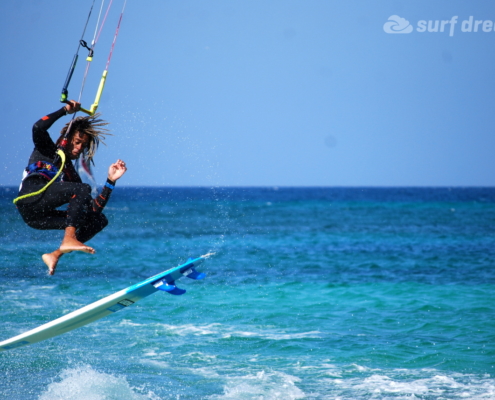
(396, 24)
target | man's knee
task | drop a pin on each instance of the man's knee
(103, 220)
(97, 223)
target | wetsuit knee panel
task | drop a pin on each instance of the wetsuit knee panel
(28, 217)
(104, 220)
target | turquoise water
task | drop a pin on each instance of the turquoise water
(313, 294)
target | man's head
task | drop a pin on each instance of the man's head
(85, 134)
(77, 145)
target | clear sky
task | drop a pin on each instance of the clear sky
(265, 93)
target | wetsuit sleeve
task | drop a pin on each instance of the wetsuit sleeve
(100, 202)
(45, 145)
(41, 138)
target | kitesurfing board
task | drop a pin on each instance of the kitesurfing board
(164, 281)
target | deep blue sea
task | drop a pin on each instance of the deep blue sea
(314, 293)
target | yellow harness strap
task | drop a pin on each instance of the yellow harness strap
(62, 157)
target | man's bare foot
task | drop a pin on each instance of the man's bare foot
(70, 243)
(51, 260)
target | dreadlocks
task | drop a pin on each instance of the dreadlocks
(91, 126)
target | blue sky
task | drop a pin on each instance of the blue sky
(264, 93)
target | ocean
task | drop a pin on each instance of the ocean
(314, 293)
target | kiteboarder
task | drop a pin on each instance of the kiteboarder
(40, 195)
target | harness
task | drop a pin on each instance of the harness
(45, 169)
(56, 175)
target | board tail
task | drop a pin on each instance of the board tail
(168, 287)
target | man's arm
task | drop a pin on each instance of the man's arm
(115, 171)
(41, 138)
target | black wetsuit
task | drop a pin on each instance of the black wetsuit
(40, 211)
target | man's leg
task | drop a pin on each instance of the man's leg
(93, 224)
(42, 214)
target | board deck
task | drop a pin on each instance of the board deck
(164, 281)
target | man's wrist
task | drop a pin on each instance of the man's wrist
(110, 184)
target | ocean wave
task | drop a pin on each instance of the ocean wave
(226, 332)
(84, 383)
(358, 382)
(271, 385)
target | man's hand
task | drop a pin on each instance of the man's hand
(116, 170)
(72, 106)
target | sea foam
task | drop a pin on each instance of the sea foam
(271, 385)
(84, 383)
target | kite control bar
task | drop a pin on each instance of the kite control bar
(96, 103)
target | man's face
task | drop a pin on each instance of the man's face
(77, 145)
